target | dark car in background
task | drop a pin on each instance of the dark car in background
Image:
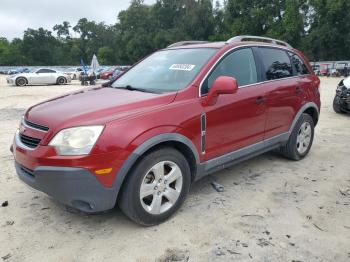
(341, 102)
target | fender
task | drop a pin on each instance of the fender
(301, 111)
(148, 144)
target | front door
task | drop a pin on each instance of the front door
(42, 76)
(236, 120)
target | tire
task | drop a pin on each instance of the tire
(144, 178)
(336, 106)
(61, 80)
(21, 81)
(300, 141)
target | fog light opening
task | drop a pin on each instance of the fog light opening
(83, 205)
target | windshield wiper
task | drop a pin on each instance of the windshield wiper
(131, 88)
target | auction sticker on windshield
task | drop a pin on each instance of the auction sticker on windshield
(182, 67)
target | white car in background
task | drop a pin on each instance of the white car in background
(42, 76)
(74, 72)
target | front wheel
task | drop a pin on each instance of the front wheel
(156, 187)
(21, 81)
(300, 140)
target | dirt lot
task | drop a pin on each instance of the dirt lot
(272, 209)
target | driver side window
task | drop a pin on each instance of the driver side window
(239, 64)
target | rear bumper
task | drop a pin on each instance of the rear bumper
(75, 187)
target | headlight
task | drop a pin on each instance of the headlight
(77, 140)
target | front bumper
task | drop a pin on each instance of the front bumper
(70, 180)
(75, 187)
(10, 81)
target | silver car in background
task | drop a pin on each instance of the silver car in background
(41, 76)
(74, 72)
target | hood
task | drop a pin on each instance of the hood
(346, 82)
(94, 106)
(24, 75)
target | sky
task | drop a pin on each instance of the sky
(17, 15)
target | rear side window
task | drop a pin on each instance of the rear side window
(276, 63)
(239, 64)
(299, 65)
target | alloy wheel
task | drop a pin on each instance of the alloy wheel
(21, 82)
(161, 187)
(304, 137)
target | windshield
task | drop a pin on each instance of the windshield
(166, 71)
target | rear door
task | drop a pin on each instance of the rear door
(283, 93)
(236, 120)
(305, 80)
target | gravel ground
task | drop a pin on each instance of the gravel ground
(272, 209)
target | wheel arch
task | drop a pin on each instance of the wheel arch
(308, 108)
(19, 77)
(313, 112)
(173, 140)
(61, 76)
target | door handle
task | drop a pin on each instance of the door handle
(260, 100)
(298, 90)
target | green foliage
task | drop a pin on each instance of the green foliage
(105, 55)
(320, 28)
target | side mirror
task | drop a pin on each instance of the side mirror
(222, 85)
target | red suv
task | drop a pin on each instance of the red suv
(180, 114)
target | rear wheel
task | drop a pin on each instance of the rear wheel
(21, 81)
(61, 81)
(300, 141)
(156, 187)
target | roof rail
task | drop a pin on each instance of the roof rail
(243, 38)
(183, 43)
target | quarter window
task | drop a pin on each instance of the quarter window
(299, 65)
(276, 63)
(46, 71)
(240, 64)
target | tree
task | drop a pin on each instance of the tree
(320, 28)
(38, 45)
(105, 55)
(62, 30)
(329, 34)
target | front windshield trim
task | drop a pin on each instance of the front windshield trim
(152, 85)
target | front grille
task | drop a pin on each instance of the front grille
(36, 126)
(27, 171)
(29, 141)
